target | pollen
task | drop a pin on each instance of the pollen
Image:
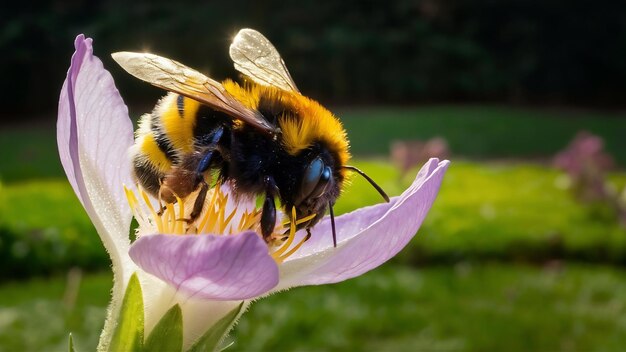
(222, 215)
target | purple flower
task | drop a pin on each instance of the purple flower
(226, 261)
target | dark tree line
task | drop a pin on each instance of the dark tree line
(344, 52)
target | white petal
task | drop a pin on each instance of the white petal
(198, 315)
(93, 136)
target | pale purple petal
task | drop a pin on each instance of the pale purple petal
(210, 267)
(367, 237)
(350, 225)
(93, 136)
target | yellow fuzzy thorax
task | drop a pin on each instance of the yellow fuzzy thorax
(314, 123)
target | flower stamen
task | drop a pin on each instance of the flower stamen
(301, 220)
(134, 204)
(214, 219)
(227, 221)
(181, 211)
(205, 219)
(159, 222)
(282, 258)
(170, 222)
(290, 238)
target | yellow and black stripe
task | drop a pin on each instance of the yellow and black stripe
(173, 129)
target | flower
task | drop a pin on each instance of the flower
(207, 275)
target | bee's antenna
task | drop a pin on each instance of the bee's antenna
(369, 179)
(332, 224)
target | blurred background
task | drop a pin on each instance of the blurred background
(524, 248)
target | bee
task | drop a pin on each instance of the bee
(263, 135)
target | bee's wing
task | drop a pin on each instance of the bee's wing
(257, 58)
(176, 77)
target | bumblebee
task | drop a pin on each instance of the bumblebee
(263, 135)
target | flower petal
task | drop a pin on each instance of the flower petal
(198, 314)
(211, 267)
(367, 237)
(93, 136)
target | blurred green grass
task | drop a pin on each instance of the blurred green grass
(38, 315)
(516, 212)
(45, 230)
(483, 212)
(499, 211)
(467, 307)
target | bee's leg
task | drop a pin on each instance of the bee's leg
(203, 166)
(160, 198)
(198, 204)
(205, 161)
(268, 216)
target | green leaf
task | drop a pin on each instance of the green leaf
(128, 334)
(167, 335)
(210, 340)
(71, 343)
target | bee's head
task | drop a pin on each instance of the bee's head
(319, 186)
(316, 189)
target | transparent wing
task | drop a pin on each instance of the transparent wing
(257, 58)
(176, 77)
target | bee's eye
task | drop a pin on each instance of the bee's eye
(314, 180)
(321, 183)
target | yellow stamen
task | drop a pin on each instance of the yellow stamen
(242, 221)
(209, 208)
(159, 223)
(251, 219)
(227, 221)
(292, 235)
(212, 214)
(292, 251)
(219, 218)
(303, 220)
(132, 202)
(181, 214)
(173, 219)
